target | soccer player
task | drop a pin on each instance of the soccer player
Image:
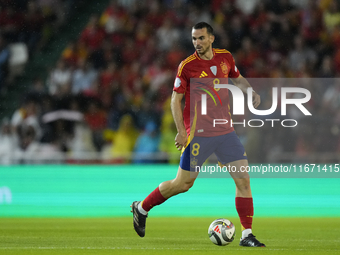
(200, 143)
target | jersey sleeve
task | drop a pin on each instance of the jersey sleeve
(234, 72)
(181, 81)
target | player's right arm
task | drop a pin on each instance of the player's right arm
(177, 113)
(180, 87)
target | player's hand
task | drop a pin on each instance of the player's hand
(256, 99)
(181, 140)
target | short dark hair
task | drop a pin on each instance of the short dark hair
(201, 25)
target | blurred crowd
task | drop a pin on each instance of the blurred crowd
(109, 93)
(31, 22)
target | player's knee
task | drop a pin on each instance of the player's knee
(177, 187)
(186, 186)
(243, 183)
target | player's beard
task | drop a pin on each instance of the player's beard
(202, 53)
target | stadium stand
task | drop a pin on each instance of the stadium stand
(118, 73)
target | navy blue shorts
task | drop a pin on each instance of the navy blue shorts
(227, 148)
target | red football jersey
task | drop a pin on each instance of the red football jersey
(190, 72)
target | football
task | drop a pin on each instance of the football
(221, 232)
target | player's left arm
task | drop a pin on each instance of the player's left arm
(243, 84)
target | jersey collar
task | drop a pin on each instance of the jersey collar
(196, 54)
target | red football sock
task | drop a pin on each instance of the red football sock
(245, 209)
(153, 199)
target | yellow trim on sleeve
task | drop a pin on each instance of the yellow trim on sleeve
(221, 51)
(189, 59)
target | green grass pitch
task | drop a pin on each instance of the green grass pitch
(163, 236)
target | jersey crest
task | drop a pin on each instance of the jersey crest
(224, 67)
